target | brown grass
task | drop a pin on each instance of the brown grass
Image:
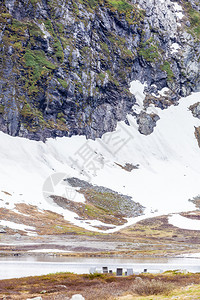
(151, 287)
(46, 222)
(151, 237)
(103, 287)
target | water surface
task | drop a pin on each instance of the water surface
(16, 267)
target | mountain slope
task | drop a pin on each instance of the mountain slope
(163, 177)
(66, 66)
(111, 71)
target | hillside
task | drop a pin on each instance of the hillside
(66, 66)
(96, 181)
(99, 119)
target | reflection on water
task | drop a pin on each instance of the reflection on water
(39, 265)
(52, 258)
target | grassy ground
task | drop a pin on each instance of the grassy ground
(166, 238)
(150, 237)
(190, 293)
(104, 286)
(46, 222)
(103, 205)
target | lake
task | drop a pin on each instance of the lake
(16, 267)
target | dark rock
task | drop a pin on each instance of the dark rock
(122, 203)
(196, 110)
(2, 230)
(147, 122)
(65, 69)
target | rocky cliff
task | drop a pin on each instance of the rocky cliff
(66, 66)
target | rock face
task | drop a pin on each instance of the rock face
(107, 199)
(195, 109)
(146, 122)
(66, 68)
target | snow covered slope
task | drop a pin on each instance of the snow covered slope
(165, 175)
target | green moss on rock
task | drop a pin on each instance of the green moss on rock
(149, 50)
(63, 83)
(37, 60)
(166, 67)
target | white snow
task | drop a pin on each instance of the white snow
(169, 161)
(168, 173)
(14, 244)
(77, 297)
(178, 10)
(137, 89)
(31, 233)
(19, 213)
(177, 6)
(179, 15)
(163, 91)
(190, 255)
(13, 225)
(183, 222)
(175, 47)
(48, 250)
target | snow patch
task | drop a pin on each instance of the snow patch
(178, 11)
(183, 222)
(168, 159)
(48, 250)
(137, 89)
(17, 226)
(190, 255)
(163, 91)
(175, 47)
(77, 297)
